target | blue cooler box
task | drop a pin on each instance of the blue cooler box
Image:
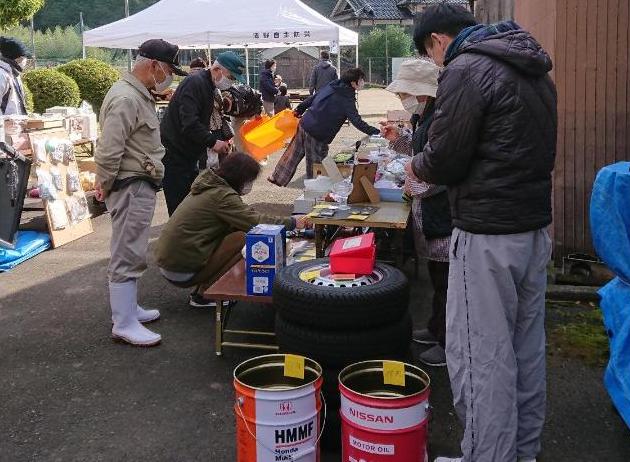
(265, 255)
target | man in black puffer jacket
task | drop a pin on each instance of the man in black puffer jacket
(493, 143)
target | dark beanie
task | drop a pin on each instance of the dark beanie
(11, 48)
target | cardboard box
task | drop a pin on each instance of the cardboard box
(265, 255)
(302, 206)
(63, 110)
(87, 165)
(354, 255)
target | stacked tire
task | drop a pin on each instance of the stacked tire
(338, 323)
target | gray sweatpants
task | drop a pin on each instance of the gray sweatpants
(131, 209)
(495, 342)
(269, 108)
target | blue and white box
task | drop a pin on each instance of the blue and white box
(265, 255)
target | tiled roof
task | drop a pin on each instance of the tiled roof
(323, 7)
(378, 9)
(431, 2)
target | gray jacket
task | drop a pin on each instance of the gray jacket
(11, 91)
(323, 73)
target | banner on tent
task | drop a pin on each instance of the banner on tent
(294, 34)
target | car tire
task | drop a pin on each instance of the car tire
(335, 349)
(340, 308)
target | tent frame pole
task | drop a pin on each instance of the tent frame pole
(247, 63)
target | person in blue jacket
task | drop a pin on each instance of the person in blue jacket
(323, 116)
(269, 86)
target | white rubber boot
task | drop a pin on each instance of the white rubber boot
(144, 315)
(123, 301)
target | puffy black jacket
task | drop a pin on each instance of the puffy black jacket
(493, 138)
(267, 86)
(328, 109)
(185, 128)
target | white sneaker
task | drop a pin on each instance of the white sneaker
(448, 459)
(123, 301)
(523, 459)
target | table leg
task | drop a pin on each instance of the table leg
(219, 328)
(400, 254)
(319, 241)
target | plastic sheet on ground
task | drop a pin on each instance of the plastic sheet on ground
(27, 245)
(610, 226)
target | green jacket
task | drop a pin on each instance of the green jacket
(210, 212)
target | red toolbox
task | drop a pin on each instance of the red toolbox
(354, 255)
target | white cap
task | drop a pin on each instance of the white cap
(417, 77)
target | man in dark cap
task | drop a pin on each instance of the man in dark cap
(13, 59)
(186, 126)
(129, 172)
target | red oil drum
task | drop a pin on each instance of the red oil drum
(277, 417)
(383, 422)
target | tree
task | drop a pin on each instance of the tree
(95, 12)
(51, 88)
(93, 77)
(14, 11)
(399, 42)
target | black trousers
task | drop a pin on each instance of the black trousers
(438, 272)
(177, 183)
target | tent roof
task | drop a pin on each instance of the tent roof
(221, 24)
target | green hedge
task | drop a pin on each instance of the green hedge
(93, 77)
(51, 88)
(28, 98)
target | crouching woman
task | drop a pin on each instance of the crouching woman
(204, 237)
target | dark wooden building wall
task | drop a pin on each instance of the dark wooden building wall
(295, 67)
(489, 11)
(589, 41)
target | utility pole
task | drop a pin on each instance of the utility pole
(33, 37)
(128, 51)
(82, 29)
(386, 58)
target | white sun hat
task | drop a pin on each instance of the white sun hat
(417, 77)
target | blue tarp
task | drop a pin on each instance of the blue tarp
(27, 245)
(610, 226)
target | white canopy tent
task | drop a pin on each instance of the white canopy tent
(224, 24)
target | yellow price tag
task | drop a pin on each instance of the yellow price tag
(394, 373)
(321, 206)
(313, 214)
(309, 275)
(294, 366)
(358, 217)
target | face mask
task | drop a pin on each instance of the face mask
(224, 83)
(273, 70)
(22, 62)
(411, 105)
(247, 188)
(168, 79)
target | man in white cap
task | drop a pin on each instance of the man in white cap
(129, 172)
(416, 86)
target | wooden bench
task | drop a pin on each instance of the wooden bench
(232, 286)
